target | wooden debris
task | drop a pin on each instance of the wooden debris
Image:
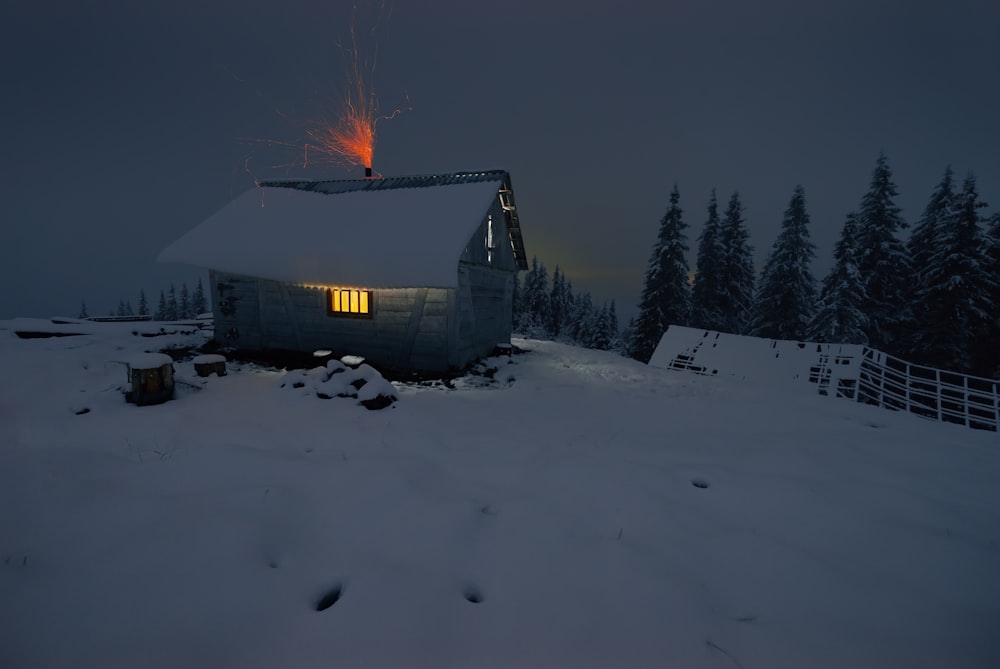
(151, 376)
(210, 363)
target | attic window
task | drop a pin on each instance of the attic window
(349, 302)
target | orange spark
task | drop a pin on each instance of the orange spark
(346, 138)
(351, 139)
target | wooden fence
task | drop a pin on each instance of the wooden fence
(892, 383)
(847, 371)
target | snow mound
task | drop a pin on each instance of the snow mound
(336, 379)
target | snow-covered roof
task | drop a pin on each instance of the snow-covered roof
(208, 359)
(374, 233)
(149, 360)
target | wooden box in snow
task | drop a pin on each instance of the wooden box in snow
(151, 378)
(210, 363)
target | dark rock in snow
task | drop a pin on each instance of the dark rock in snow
(378, 402)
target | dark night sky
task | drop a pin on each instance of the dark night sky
(127, 124)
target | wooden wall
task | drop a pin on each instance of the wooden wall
(476, 252)
(485, 291)
(409, 328)
(236, 308)
(484, 304)
(420, 329)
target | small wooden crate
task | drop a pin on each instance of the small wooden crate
(151, 379)
(210, 363)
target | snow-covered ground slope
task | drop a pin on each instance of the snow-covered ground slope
(582, 510)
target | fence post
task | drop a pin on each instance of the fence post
(909, 388)
(937, 386)
(965, 399)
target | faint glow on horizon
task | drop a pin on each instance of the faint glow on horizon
(595, 274)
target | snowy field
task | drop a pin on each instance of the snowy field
(579, 510)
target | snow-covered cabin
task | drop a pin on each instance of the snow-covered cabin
(413, 273)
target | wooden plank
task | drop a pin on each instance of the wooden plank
(454, 359)
(465, 344)
(236, 303)
(424, 341)
(412, 327)
(392, 321)
(433, 324)
(395, 304)
(436, 309)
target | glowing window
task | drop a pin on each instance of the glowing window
(350, 302)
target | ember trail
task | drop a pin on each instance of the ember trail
(351, 139)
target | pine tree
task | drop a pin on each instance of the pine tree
(737, 272)
(839, 317)
(954, 287)
(706, 295)
(602, 334)
(568, 333)
(184, 305)
(982, 279)
(161, 309)
(83, 310)
(143, 306)
(128, 308)
(786, 296)
(666, 294)
(924, 238)
(121, 308)
(582, 320)
(173, 309)
(516, 303)
(536, 300)
(539, 302)
(627, 338)
(616, 344)
(198, 302)
(557, 304)
(883, 262)
(568, 302)
(925, 243)
(988, 357)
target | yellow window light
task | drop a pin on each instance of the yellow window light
(350, 301)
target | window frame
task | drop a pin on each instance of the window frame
(370, 294)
